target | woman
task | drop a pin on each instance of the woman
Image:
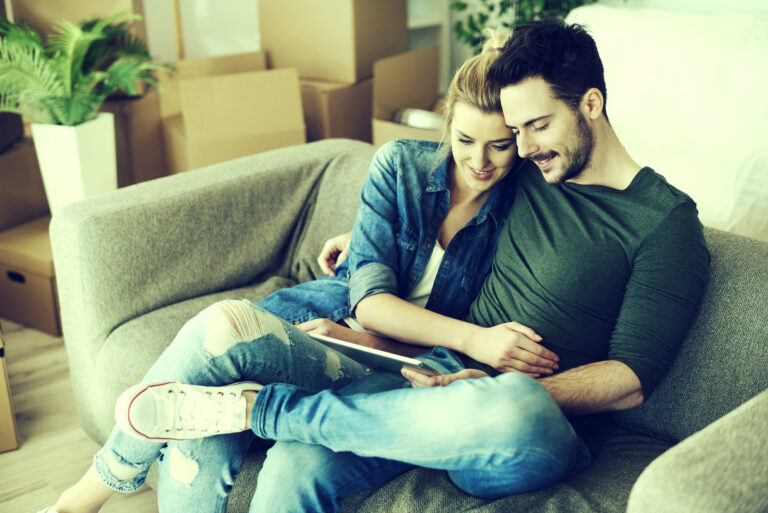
(423, 242)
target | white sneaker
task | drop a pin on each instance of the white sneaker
(177, 411)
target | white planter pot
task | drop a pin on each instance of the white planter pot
(76, 161)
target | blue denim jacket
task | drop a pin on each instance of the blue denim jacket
(403, 203)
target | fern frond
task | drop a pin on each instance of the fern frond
(72, 43)
(123, 74)
(77, 109)
(21, 35)
(118, 42)
(26, 68)
(37, 112)
(89, 83)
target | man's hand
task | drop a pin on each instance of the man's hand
(512, 347)
(420, 380)
(334, 252)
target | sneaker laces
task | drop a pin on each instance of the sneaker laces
(205, 412)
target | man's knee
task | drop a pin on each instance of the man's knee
(233, 322)
(293, 475)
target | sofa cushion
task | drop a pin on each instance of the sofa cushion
(724, 359)
(334, 207)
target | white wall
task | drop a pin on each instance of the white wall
(758, 7)
(208, 28)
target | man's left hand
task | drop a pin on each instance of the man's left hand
(420, 380)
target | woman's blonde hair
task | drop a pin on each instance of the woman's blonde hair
(471, 85)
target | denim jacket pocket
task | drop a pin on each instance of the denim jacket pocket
(407, 244)
(471, 281)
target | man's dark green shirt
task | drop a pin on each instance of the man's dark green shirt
(599, 273)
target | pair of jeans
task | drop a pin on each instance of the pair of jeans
(308, 471)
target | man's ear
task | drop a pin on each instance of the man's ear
(592, 103)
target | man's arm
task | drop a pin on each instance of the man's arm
(595, 387)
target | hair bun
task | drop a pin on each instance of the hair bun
(495, 39)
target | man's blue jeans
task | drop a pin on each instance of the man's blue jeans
(340, 428)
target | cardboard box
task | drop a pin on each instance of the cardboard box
(408, 80)
(27, 282)
(334, 109)
(11, 129)
(138, 138)
(170, 97)
(9, 435)
(336, 40)
(22, 195)
(230, 116)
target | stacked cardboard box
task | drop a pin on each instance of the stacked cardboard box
(138, 137)
(219, 108)
(9, 437)
(27, 279)
(334, 45)
(405, 81)
(11, 129)
(22, 196)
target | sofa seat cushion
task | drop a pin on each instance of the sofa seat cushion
(126, 355)
(621, 455)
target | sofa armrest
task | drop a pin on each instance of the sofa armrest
(125, 253)
(723, 467)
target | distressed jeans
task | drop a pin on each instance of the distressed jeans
(339, 428)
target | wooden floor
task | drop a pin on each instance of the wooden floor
(54, 450)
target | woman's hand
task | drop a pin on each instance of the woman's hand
(334, 252)
(420, 380)
(330, 329)
(512, 347)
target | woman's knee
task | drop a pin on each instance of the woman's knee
(231, 322)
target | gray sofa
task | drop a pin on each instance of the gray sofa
(132, 266)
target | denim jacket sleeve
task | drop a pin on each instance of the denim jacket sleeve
(373, 255)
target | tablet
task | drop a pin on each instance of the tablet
(375, 358)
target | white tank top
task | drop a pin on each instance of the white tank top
(419, 296)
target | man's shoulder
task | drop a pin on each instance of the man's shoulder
(656, 187)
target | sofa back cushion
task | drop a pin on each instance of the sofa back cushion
(724, 359)
(332, 207)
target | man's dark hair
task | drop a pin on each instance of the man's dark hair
(564, 55)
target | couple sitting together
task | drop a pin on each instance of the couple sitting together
(544, 272)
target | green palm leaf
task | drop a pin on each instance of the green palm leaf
(72, 44)
(66, 81)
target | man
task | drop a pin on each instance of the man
(601, 257)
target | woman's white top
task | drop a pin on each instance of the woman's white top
(419, 296)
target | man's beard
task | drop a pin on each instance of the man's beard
(580, 157)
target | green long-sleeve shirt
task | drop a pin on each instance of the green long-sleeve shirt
(599, 273)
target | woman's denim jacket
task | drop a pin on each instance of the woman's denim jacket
(403, 203)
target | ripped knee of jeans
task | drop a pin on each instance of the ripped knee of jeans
(181, 467)
(332, 367)
(120, 469)
(233, 322)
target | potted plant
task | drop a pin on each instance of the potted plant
(479, 14)
(61, 84)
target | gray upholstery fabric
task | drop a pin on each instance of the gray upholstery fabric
(132, 266)
(724, 359)
(721, 468)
